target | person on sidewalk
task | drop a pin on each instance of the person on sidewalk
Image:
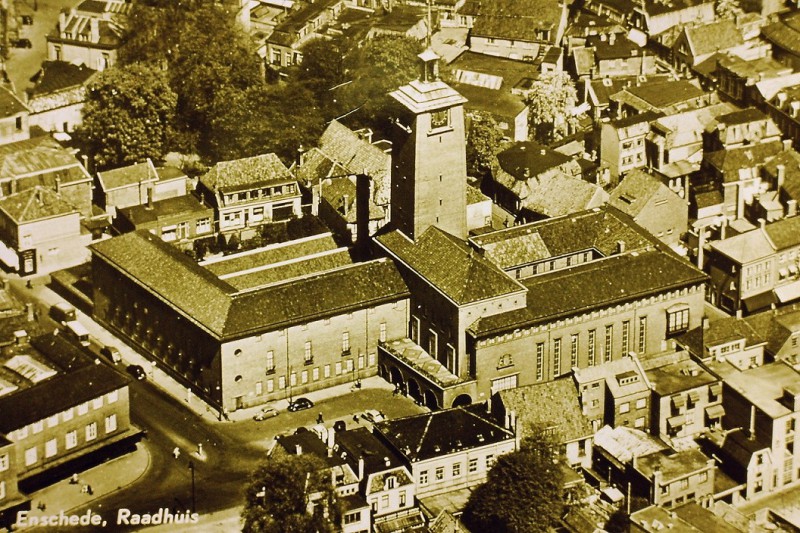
(319, 419)
(176, 452)
(89, 490)
(74, 479)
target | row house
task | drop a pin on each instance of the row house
(251, 327)
(515, 29)
(57, 97)
(138, 184)
(783, 35)
(784, 109)
(737, 78)
(249, 192)
(738, 128)
(670, 479)
(622, 144)
(757, 268)
(14, 117)
(303, 23)
(696, 44)
(612, 56)
(666, 97)
(57, 406)
(180, 219)
(89, 33)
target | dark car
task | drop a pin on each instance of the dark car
(27, 20)
(298, 404)
(137, 372)
(111, 353)
(21, 43)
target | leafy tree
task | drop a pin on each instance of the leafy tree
(552, 100)
(323, 68)
(128, 115)
(728, 9)
(484, 142)
(277, 499)
(523, 491)
(618, 522)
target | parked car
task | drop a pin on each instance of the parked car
(137, 372)
(63, 312)
(373, 416)
(111, 353)
(299, 404)
(265, 412)
(21, 43)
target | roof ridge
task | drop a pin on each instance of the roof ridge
(424, 432)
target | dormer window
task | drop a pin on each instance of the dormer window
(391, 482)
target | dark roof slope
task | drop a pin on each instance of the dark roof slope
(10, 105)
(59, 75)
(531, 157)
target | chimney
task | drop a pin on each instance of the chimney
(62, 22)
(29, 310)
(360, 468)
(620, 247)
(612, 38)
(58, 185)
(781, 173)
(723, 228)
(706, 322)
(489, 405)
(94, 27)
(752, 427)
(386, 462)
(761, 223)
(787, 145)
(791, 208)
(346, 204)
(298, 450)
(149, 198)
(331, 442)
(20, 336)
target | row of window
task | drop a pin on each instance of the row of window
(440, 472)
(71, 440)
(66, 415)
(265, 192)
(314, 375)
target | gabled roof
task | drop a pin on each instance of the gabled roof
(167, 208)
(500, 103)
(135, 174)
(347, 148)
(785, 33)
(745, 247)
(431, 435)
(658, 95)
(34, 204)
(731, 160)
(713, 37)
(636, 190)
(555, 194)
(718, 332)
(624, 443)
(531, 12)
(774, 327)
(10, 105)
(450, 265)
(531, 158)
(790, 159)
(784, 233)
(510, 71)
(245, 173)
(39, 155)
(549, 405)
(510, 28)
(57, 76)
(671, 465)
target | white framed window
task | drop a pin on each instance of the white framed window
(259, 388)
(539, 361)
(2, 490)
(609, 346)
(282, 382)
(345, 342)
(38, 426)
(382, 332)
(97, 403)
(72, 439)
(203, 225)
(315, 374)
(293, 379)
(439, 473)
(473, 465)
(270, 385)
(270, 362)
(556, 357)
(3, 462)
(677, 320)
(112, 396)
(304, 377)
(338, 367)
(625, 407)
(308, 357)
(111, 423)
(456, 469)
(591, 346)
(641, 403)
(31, 456)
(50, 448)
(52, 421)
(91, 431)
(83, 408)
(642, 334)
(22, 432)
(348, 365)
(68, 414)
(326, 371)
(423, 477)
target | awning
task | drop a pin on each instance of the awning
(759, 301)
(787, 293)
(715, 388)
(694, 396)
(676, 421)
(715, 411)
(678, 401)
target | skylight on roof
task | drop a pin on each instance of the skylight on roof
(29, 368)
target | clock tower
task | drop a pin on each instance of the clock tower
(429, 162)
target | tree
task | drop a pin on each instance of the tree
(728, 9)
(277, 499)
(523, 491)
(552, 100)
(323, 69)
(484, 142)
(128, 116)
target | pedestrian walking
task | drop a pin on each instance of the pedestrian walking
(89, 490)
(74, 479)
(356, 420)
(84, 488)
(319, 419)
(176, 452)
(42, 506)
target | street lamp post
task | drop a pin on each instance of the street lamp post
(191, 467)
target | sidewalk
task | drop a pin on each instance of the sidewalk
(104, 479)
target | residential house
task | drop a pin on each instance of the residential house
(696, 44)
(448, 451)
(666, 97)
(57, 406)
(516, 29)
(14, 118)
(89, 34)
(492, 72)
(615, 450)
(552, 407)
(402, 20)
(671, 479)
(249, 192)
(782, 173)
(138, 184)
(780, 330)
(597, 93)
(783, 35)
(784, 109)
(507, 109)
(40, 232)
(57, 96)
(304, 22)
(615, 393)
(737, 77)
(479, 209)
(727, 345)
(179, 219)
(652, 205)
(613, 56)
(746, 461)
(687, 399)
(686, 517)
(622, 143)
(247, 328)
(757, 268)
(765, 401)
(41, 161)
(739, 128)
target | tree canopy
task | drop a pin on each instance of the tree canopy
(128, 116)
(523, 491)
(484, 142)
(277, 499)
(552, 100)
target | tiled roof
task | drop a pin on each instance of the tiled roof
(785, 33)
(537, 12)
(226, 313)
(635, 191)
(721, 331)
(772, 327)
(34, 204)
(317, 165)
(79, 380)
(790, 160)
(361, 443)
(661, 94)
(745, 247)
(475, 196)
(344, 146)
(512, 71)
(130, 175)
(169, 207)
(554, 194)
(529, 157)
(10, 105)
(784, 233)
(710, 38)
(245, 173)
(517, 249)
(430, 435)
(340, 194)
(548, 405)
(60, 75)
(731, 160)
(38, 155)
(283, 272)
(742, 116)
(620, 48)
(450, 265)
(499, 103)
(511, 28)
(594, 285)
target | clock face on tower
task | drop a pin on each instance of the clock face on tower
(440, 119)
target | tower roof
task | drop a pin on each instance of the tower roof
(425, 96)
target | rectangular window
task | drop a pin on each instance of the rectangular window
(677, 321)
(270, 362)
(591, 346)
(433, 344)
(642, 334)
(38, 426)
(282, 382)
(2, 489)
(609, 342)
(626, 336)
(456, 469)
(50, 448)
(304, 377)
(3, 462)
(83, 408)
(489, 461)
(97, 403)
(382, 332)
(473, 465)
(352, 518)
(203, 225)
(423, 477)
(72, 439)
(259, 388)
(556, 357)
(308, 358)
(293, 379)
(338, 367)
(573, 351)
(112, 396)
(31, 456)
(439, 473)
(111, 423)
(270, 385)
(22, 433)
(641, 403)
(326, 371)
(346, 342)
(91, 431)
(315, 374)
(348, 365)
(52, 421)
(625, 407)
(539, 361)
(402, 495)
